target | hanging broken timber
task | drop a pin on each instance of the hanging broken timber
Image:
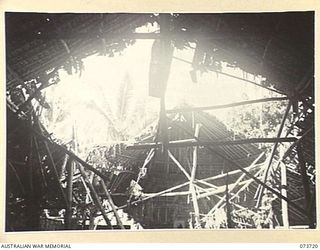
(194, 142)
(236, 77)
(229, 105)
(160, 64)
(161, 58)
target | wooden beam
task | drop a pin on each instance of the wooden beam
(40, 162)
(293, 145)
(244, 186)
(17, 177)
(88, 195)
(179, 165)
(205, 183)
(218, 143)
(105, 189)
(53, 168)
(222, 189)
(219, 176)
(169, 194)
(211, 149)
(95, 197)
(230, 105)
(236, 183)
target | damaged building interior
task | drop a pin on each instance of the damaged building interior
(156, 163)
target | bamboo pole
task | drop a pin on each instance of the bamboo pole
(222, 189)
(150, 196)
(257, 180)
(193, 143)
(229, 220)
(205, 183)
(229, 105)
(111, 204)
(192, 178)
(88, 196)
(71, 165)
(306, 185)
(236, 183)
(244, 186)
(179, 165)
(212, 151)
(95, 197)
(303, 172)
(40, 162)
(17, 177)
(234, 172)
(71, 154)
(30, 168)
(284, 204)
(68, 218)
(293, 145)
(55, 172)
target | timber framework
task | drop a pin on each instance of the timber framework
(186, 170)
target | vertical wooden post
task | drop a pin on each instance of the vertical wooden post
(68, 217)
(54, 170)
(39, 161)
(192, 178)
(33, 206)
(30, 168)
(229, 220)
(52, 165)
(306, 185)
(70, 171)
(235, 184)
(284, 204)
(304, 176)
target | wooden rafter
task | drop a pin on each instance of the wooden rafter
(229, 105)
(218, 143)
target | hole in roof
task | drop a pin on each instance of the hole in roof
(109, 102)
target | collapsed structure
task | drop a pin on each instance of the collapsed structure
(188, 171)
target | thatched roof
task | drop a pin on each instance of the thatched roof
(278, 46)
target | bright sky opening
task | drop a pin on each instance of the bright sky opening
(92, 101)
